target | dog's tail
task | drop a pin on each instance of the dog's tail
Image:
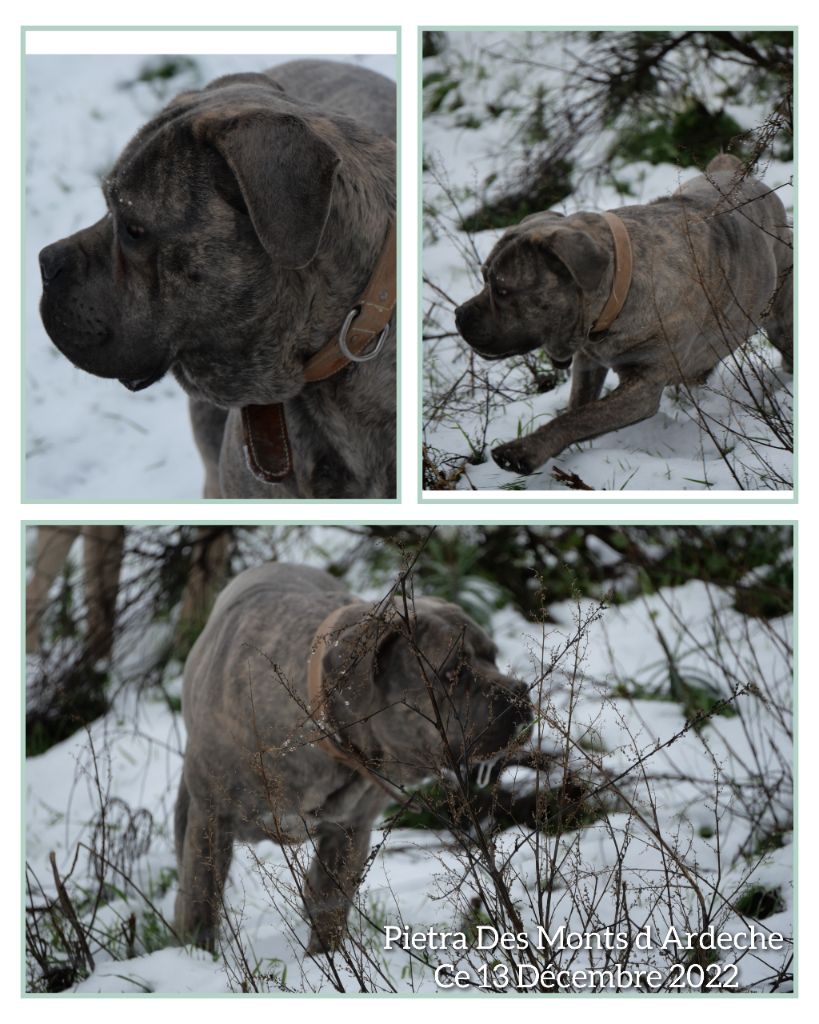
(725, 162)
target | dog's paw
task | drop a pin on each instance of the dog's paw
(515, 457)
(317, 947)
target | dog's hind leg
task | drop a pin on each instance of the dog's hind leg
(204, 849)
(180, 818)
(636, 398)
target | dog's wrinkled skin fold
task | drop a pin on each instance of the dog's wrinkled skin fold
(252, 768)
(243, 223)
(712, 265)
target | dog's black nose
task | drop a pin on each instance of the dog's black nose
(459, 314)
(52, 262)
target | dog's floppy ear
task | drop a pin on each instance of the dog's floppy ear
(354, 649)
(285, 172)
(585, 260)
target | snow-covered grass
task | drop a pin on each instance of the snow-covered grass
(690, 816)
(89, 439)
(733, 433)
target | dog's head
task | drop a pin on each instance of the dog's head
(204, 261)
(542, 283)
(424, 689)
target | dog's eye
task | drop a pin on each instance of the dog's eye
(458, 676)
(501, 293)
(451, 677)
(134, 230)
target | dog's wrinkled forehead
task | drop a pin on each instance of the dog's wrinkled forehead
(169, 144)
(157, 153)
(511, 259)
(512, 253)
(504, 249)
(450, 631)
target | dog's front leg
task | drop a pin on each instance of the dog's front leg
(635, 399)
(587, 381)
(208, 422)
(332, 881)
(204, 844)
(779, 321)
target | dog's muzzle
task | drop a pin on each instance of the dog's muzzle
(52, 262)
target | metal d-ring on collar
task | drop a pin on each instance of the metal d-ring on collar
(363, 357)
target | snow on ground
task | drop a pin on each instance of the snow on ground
(468, 152)
(89, 439)
(701, 780)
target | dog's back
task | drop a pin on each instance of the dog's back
(726, 186)
(361, 94)
(263, 605)
(279, 579)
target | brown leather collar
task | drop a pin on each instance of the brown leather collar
(267, 446)
(622, 275)
(319, 705)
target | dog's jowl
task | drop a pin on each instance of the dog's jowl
(249, 248)
(307, 711)
(658, 293)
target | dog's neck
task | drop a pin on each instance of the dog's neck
(354, 267)
(367, 324)
(337, 400)
(621, 276)
(366, 331)
(362, 207)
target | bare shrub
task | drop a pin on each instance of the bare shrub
(653, 796)
(587, 840)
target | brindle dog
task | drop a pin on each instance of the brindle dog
(712, 265)
(404, 693)
(243, 223)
